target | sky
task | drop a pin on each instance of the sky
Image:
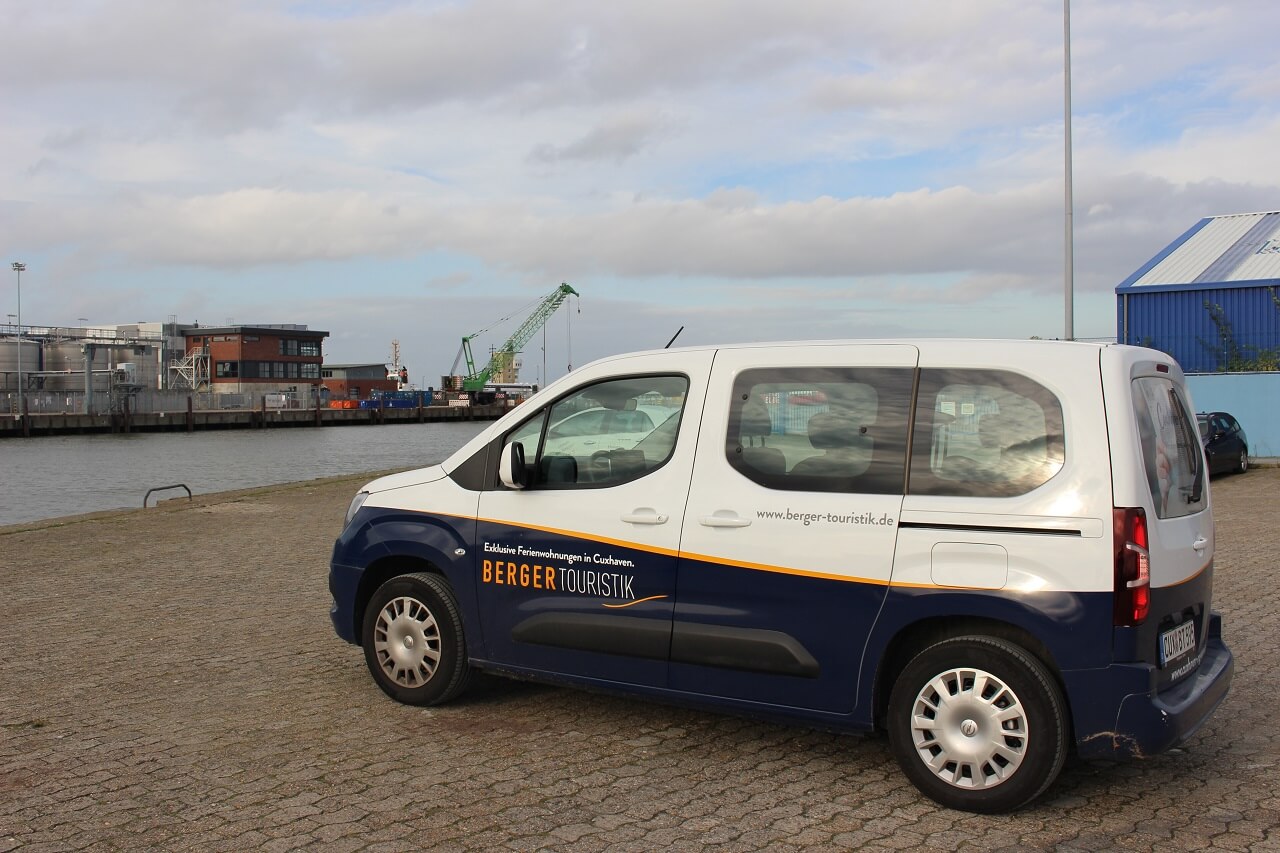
(744, 170)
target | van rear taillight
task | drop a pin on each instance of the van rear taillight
(1133, 566)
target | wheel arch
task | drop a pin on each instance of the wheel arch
(916, 637)
(379, 572)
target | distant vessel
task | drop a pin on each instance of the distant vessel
(398, 372)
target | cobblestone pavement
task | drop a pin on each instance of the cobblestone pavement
(169, 679)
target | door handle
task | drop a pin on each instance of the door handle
(1200, 544)
(723, 521)
(644, 516)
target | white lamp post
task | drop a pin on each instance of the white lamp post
(18, 267)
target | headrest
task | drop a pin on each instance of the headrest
(834, 432)
(755, 419)
(993, 430)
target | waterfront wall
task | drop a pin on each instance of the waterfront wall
(191, 419)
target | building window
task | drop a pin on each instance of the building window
(311, 349)
(249, 338)
(292, 369)
(277, 369)
(227, 369)
(288, 346)
(328, 374)
(310, 371)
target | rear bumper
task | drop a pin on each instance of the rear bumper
(1148, 722)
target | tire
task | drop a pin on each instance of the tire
(413, 642)
(978, 724)
(1242, 464)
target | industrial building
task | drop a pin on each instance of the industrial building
(357, 381)
(1211, 298)
(92, 369)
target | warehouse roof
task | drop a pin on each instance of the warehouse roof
(1239, 247)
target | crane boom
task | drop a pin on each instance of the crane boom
(475, 380)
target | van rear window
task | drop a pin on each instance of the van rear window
(1170, 445)
(984, 433)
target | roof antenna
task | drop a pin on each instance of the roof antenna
(673, 337)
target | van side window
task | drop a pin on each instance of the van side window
(1171, 450)
(984, 433)
(604, 434)
(821, 429)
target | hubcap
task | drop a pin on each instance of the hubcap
(969, 728)
(406, 641)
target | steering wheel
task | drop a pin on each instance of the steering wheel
(601, 464)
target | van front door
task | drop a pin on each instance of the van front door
(789, 535)
(576, 571)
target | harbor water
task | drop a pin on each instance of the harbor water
(54, 476)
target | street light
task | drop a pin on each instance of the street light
(19, 267)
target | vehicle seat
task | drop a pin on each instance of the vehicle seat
(845, 446)
(559, 470)
(626, 464)
(754, 427)
(1022, 450)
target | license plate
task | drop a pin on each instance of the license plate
(1177, 642)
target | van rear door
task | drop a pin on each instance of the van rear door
(1172, 492)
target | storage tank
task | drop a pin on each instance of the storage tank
(66, 359)
(9, 361)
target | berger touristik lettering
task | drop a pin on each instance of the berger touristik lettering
(579, 581)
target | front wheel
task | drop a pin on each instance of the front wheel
(978, 724)
(413, 642)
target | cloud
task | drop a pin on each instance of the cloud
(727, 163)
(615, 140)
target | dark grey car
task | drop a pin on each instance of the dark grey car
(1225, 444)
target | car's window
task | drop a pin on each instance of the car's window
(1170, 453)
(984, 433)
(604, 434)
(1202, 423)
(821, 429)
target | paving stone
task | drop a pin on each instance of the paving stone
(170, 680)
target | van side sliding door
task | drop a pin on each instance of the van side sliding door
(789, 536)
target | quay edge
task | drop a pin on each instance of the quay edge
(42, 424)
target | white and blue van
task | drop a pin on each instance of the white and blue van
(995, 551)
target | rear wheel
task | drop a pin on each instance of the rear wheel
(978, 723)
(1242, 464)
(413, 642)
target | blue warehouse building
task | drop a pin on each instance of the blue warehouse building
(1211, 299)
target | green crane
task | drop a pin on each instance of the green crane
(502, 358)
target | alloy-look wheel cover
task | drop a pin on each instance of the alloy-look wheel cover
(969, 728)
(406, 640)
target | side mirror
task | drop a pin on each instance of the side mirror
(511, 468)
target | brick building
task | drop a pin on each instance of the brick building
(258, 359)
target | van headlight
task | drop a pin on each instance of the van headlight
(356, 503)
